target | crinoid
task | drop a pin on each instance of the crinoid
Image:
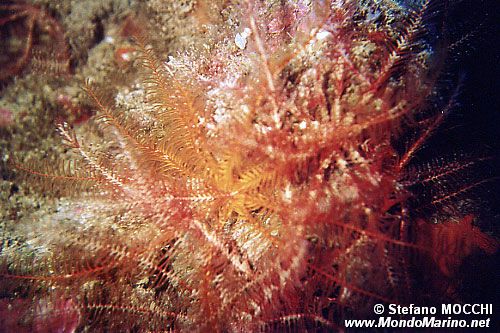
(31, 33)
(250, 187)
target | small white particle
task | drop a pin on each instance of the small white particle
(246, 32)
(245, 109)
(288, 193)
(241, 38)
(125, 56)
(342, 163)
(241, 41)
(323, 34)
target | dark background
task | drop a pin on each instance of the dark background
(473, 128)
(478, 60)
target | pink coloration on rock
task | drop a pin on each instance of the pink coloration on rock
(60, 316)
(6, 117)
